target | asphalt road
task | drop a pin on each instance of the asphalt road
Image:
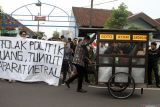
(20, 94)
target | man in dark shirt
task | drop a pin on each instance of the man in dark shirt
(153, 56)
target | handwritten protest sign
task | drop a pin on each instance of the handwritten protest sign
(30, 60)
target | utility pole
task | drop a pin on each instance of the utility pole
(38, 24)
(91, 14)
(39, 4)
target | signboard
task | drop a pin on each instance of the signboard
(122, 37)
(126, 37)
(40, 18)
(140, 37)
(107, 36)
(30, 60)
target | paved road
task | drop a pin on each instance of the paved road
(42, 95)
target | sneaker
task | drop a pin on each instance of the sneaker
(67, 84)
(11, 81)
(63, 84)
(81, 91)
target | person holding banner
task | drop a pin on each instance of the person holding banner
(23, 34)
(79, 62)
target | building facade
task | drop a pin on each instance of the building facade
(100, 16)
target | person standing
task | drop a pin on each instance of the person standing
(153, 56)
(63, 38)
(66, 61)
(23, 34)
(79, 62)
(75, 41)
(86, 63)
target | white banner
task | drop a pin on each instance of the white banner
(30, 60)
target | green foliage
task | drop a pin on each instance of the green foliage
(118, 19)
(10, 33)
(40, 34)
(56, 34)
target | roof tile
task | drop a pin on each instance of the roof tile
(99, 16)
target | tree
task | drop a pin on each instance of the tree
(56, 34)
(119, 18)
(39, 34)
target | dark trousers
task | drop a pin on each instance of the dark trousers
(86, 73)
(79, 75)
(153, 67)
(65, 68)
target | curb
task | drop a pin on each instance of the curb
(154, 89)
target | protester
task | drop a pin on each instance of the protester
(79, 40)
(70, 42)
(90, 54)
(75, 42)
(23, 34)
(153, 56)
(66, 61)
(78, 61)
(86, 63)
(62, 38)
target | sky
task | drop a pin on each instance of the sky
(149, 7)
